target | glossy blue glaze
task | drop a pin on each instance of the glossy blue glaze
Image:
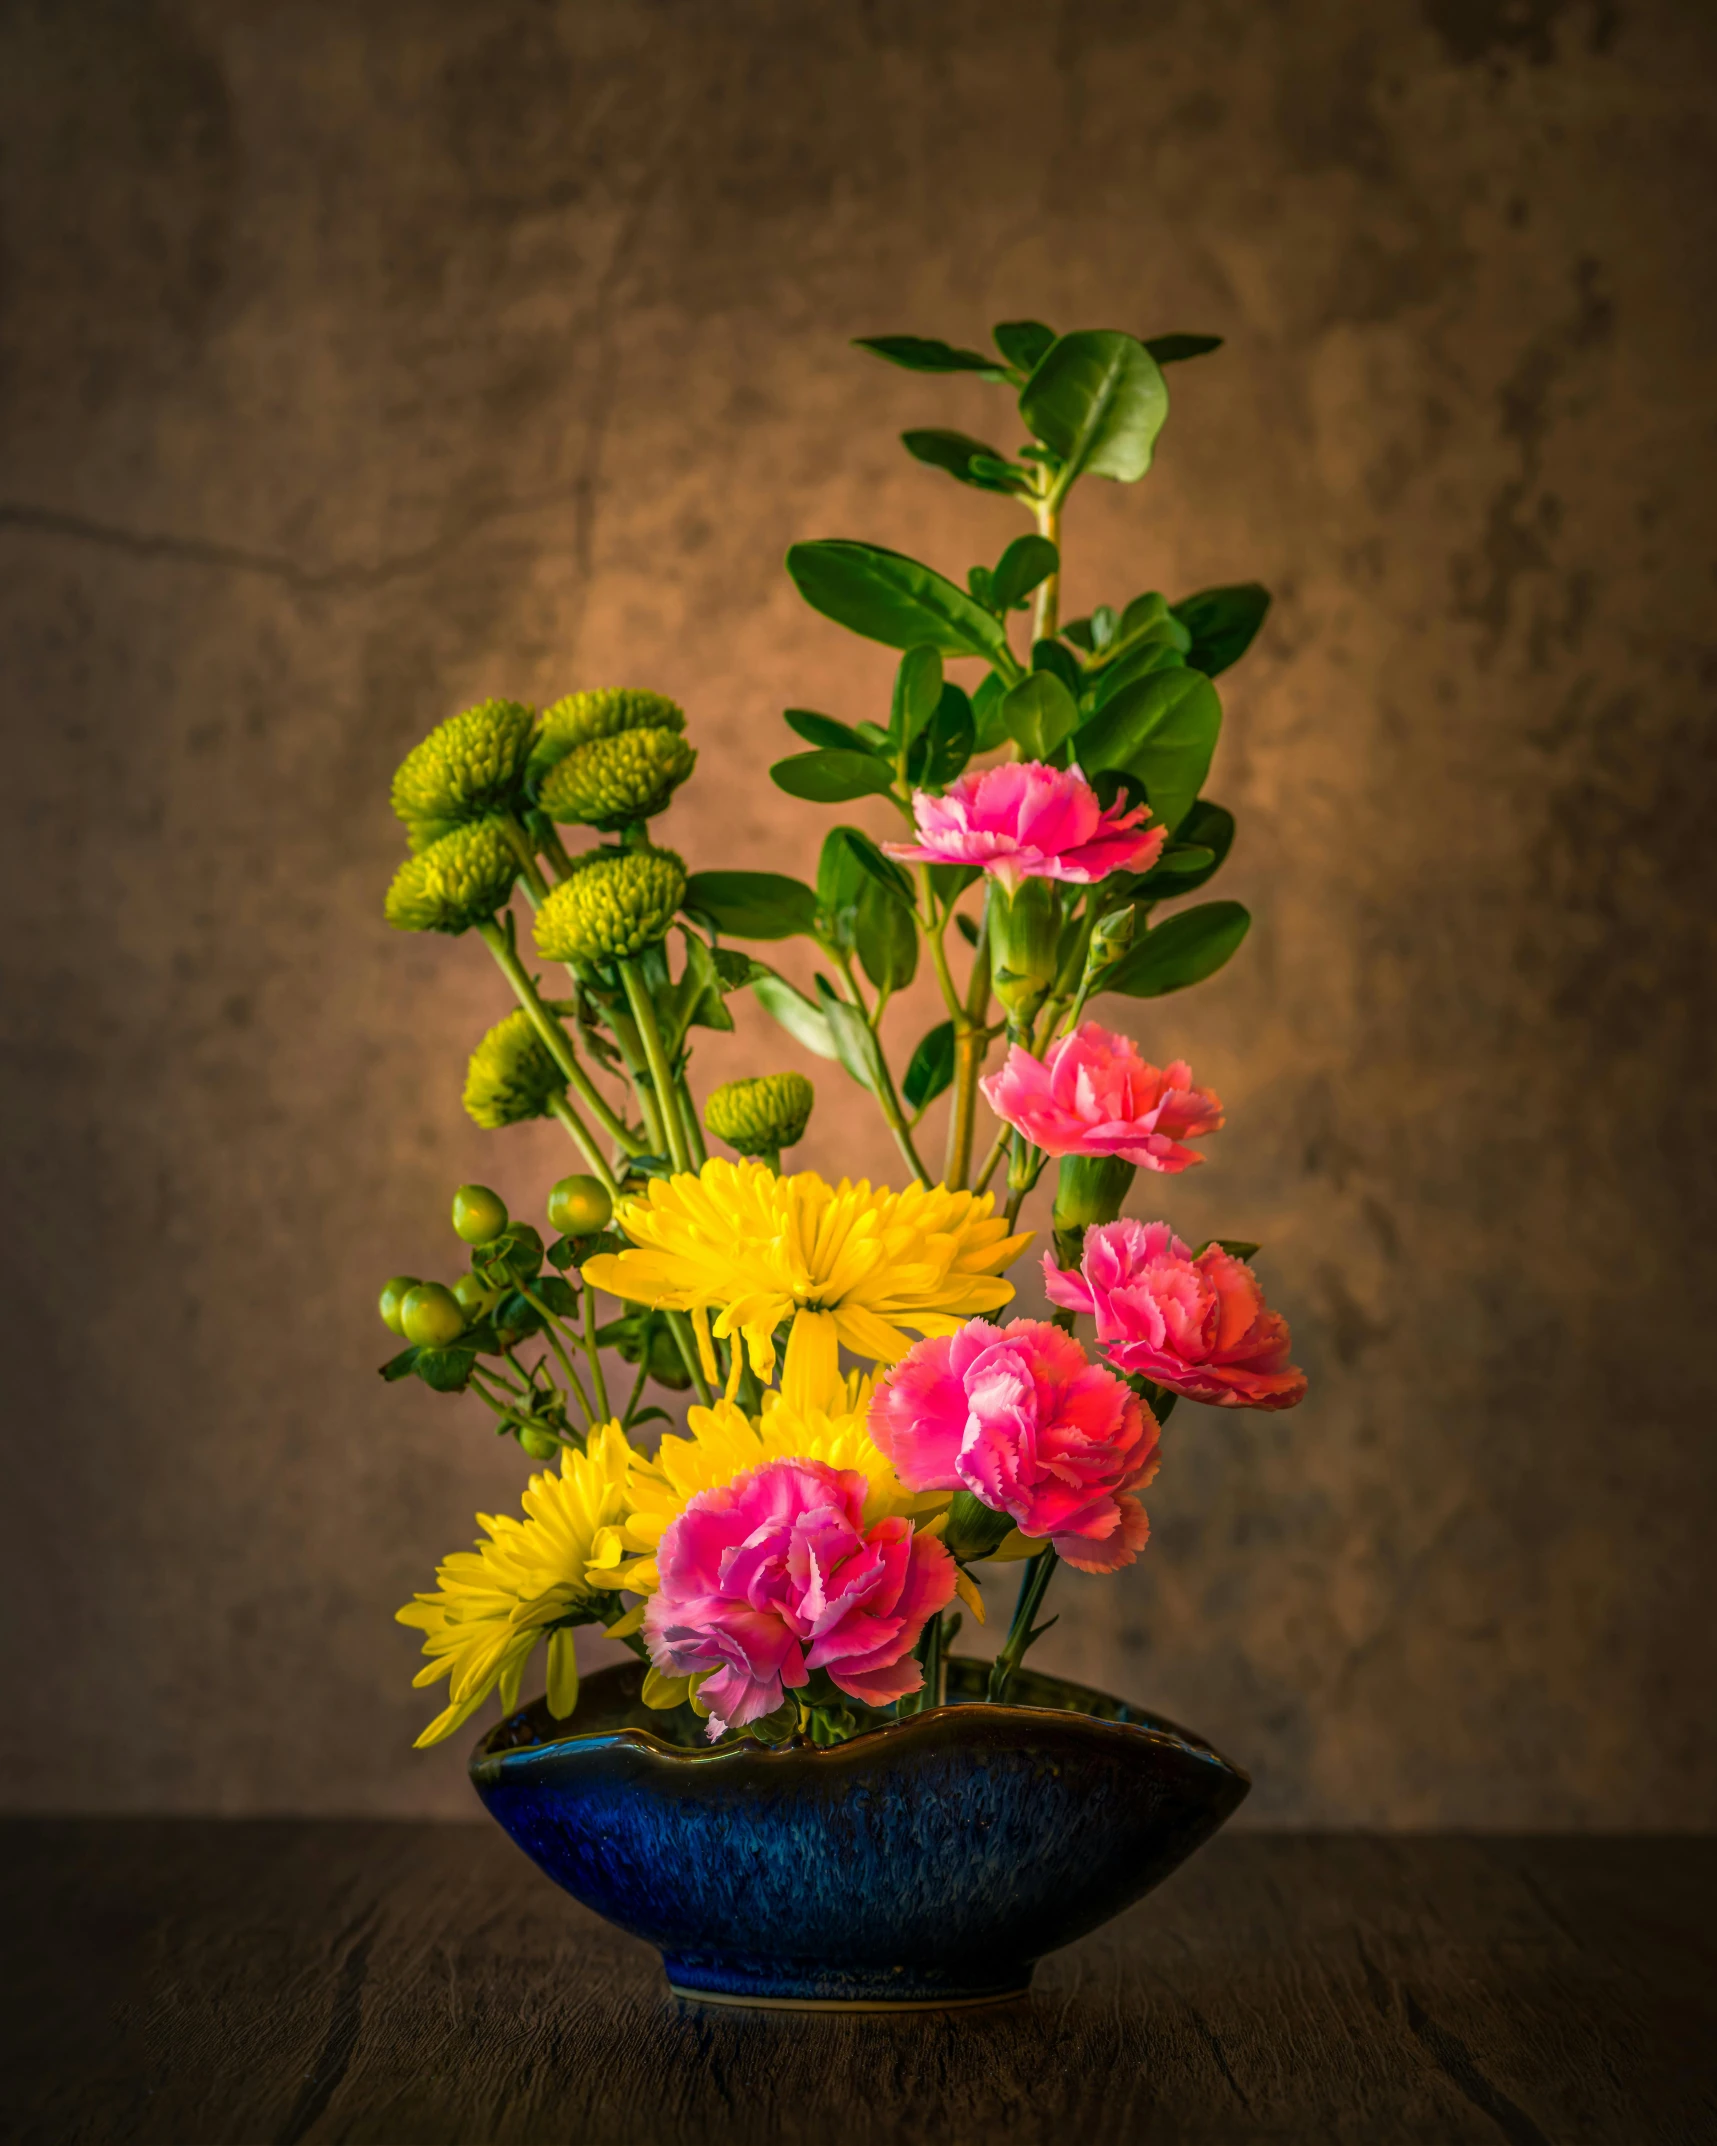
(932, 1860)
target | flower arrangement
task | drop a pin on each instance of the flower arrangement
(866, 1428)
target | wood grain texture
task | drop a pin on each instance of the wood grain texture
(288, 1982)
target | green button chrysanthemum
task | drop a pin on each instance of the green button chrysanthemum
(613, 781)
(456, 882)
(579, 718)
(469, 766)
(617, 902)
(759, 1117)
(511, 1076)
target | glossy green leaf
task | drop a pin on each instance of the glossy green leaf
(965, 458)
(832, 777)
(887, 938)
(1223, 624)
(446, 1370)
(1051, 656)
(987, 712)
(1078, 631)
(890, 598)
(803, 1021)
(1040, 714)
(854, 1045)
(752, 905)
(924, 354)
(1149, 655)
(1176, 349)
(1184, 949)
(399, 1367)
(1098, 399)
(949, 881)
(1163, 729)
(888, 875)
(917, 689)
(1027, 561)
(1022, 342)
(932, 1067)
(1207, 832)
(946, 745)
(818, 729)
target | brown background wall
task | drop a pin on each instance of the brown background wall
(359, 363)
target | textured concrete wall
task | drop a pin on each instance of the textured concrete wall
(359, 363)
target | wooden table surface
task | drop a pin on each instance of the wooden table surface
(289, 1981)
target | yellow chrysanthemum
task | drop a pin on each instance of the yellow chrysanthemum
(491, 1605)
(845, 1264)
(723, 1442)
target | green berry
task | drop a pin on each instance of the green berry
(612, 782)
(469, 766)
(431, 1316)
(762, 1116)
(456, 882)
(474, 1297)
(394, 1294)
(540, 1445)
(478, 1214)
(615, 904)
(580, 1206)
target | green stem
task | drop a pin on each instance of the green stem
(1046, 612)
(1033, 1586)
(693, 1130)
(991, 1161)
(557, 1042)
(553, 1339)
(637, 1389)
(536, 887)
(559, 1107)
(598, 1382)
(681, 1327)
(644, 1013)
(887, 1099)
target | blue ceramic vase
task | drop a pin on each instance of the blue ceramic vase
(926, 1862)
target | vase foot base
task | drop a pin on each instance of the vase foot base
(846, 2004)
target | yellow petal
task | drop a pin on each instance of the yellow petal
(967, 1590)
(663, 1692)
(562, 1672)
(624, 1627)
(813, 1358)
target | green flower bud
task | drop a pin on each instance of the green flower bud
(456, 882)
(394, 1294)
(760, 1117)
(539, 1444)
(1025, 935)
(613, 781)
(511, 1076)
(478, 1214)
(580, 1206)
(580, 717)
(974, 1529)
(473, 1296)
(1089, 1189)
(616, 903)
(469, 766)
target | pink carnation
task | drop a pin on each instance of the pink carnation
(1094, 1095)
(774, 1575)
(1027, 820)
(1197, 1326)
(1021, 1417)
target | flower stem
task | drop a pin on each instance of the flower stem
(1033, 1586)
(575, 1125)
(590, 1349)
(650, 1035)
(1046, 614)
(556, 1041)
(687, 1342)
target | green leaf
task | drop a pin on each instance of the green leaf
(1175, 349)
(854, 1045)
(446, 1370)
(932, 1067)
(1223, 623)
(831, 778)
(890, 598)
(818, 729)
(1207, 832)
(1235, 1247)
(399, 1367)
(987, 712)
(1039, 714)
(963, 457)
(1027, 561)
(894, 882)
(1163, 729)
(1150, 655)
(922, 354)
(1051, 656)
(917, 689)
(1184, 949)
(1078, 631)
(752, 905)
(796, 1014)
(558, 1294)
(945, 747)
(949, 881)
(887, 937)
(1022, 342)
(734, 969)
(696, 997)
(1097, 398)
